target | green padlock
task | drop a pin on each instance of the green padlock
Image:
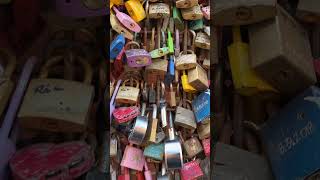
(196, 24)
(170, 43)
(178, 21)
(157, 53)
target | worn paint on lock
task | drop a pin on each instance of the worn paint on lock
(157, 53)
(126, 21)
(192, 147)
(191, 170)
(159, 10)
(196, 24)
(201, 107)
(192, 13)
(136, 10)
(154, 151)
(186, 3)
(116, 46)
(133, 158)
(117, 26)
(186, 60)
(202, 41)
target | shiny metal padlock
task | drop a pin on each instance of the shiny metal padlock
(154, 151)
(192, 146)
(139, 129)
(185, 117)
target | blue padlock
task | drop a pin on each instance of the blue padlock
(201, 107)
(116, 46)
(170, 72)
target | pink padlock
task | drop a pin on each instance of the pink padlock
(127, 21)
(133, 158)
(206, 12)
(147, 172)
(81, 8)
(191, 170)
(206, 146)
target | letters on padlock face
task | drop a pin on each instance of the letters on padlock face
(191, 170)
(156, 70)
(201, 107)
(186, 3)
(138, 57)
(202, 41)
(159, 10)
(196, 24)
(203, 130)
(54, 105)
(127, 95)
(193, 13)
(235, 12)
(186, 61)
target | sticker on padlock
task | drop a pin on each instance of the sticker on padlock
(137, 57)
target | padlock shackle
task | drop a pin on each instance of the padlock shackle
(11, 63)
(143, 108)
(132, 43)
(154, 111)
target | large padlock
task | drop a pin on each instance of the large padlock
(135, 9)
(198, 78)
(186, 3)
(140, 127)
(201, 107)
(192, 13)
(185, 117)
(154, 151)
(133, 158)
(116, 46)
(206, 146)
(157, 70)
(127, 94)
(159, 10)
(6, 84)
(137, 57)
(54, 105)
(202, 41)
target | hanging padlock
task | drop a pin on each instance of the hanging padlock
(54, 105)
(135, 9)
(125, 114)
(159, 10)
(203, 130)
(172, 97)
(202, 41)
(170, 72)
(112, 101)
(177, 43)
(133, 158)
(197, 78)
(154, 151)
(201, 107)
(205, 167)
(161, 51)
(127, 21)
(196, 24)
(191, 170)
(206, 146)
(172, 149)
(117, 26)
(139, 129)
(6, 84)
(116, 46)
(153, 125)
(192, 13)
(185, 117)
(137, 57)
(192, 146)
(177, 18)
(185, 84)
(127, 94)
(157, 70)
(186, 3)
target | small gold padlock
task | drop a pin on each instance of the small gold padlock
(193, 13)
(159, 10)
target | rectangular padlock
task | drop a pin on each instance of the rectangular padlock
(192, 146)
(116, 46)
(198, 78)
(154, 151)
(191, 170)
(153, 125)
(201, 107)
(196, 24)
(185, 117)
(186, 3)
(133, 158)
(127, 94)
(202, 41)
(159, 10)
(156, 71)
(185, 84)
(193, 13)
(203, 130)
(289, 58)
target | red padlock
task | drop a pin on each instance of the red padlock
(206, 146)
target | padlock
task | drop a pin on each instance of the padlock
(172, 97)
(140, 127)
(177, 18)
(154, 151)
(172, 149)
(112, 101)
(148, 174)
(6, 84)
(193, 13)
(186, 3)
(185, 84)
(206, 146)
(116, 46)
(160, 136)
(127, 94)
(185, 117)
(153, 124)
(196, 24)
(202, 41)
(163, 175)
(170, 72)
(133, 158)
(192, 146)
(157, 70)
(125, 114)
(191, 170)
(54, 105)
(159, 10)
(197, 78)
(201, 107)
(137, 57)
(144, 92)
(206, 12)
(127, 21)
(203, 130)
(135, 9)
(117, 26)
(245, 79)
(124, 174)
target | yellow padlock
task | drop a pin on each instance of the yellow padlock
(246, 80)
(185, 84)
(135, 10)
(116, 2)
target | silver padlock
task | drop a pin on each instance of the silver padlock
(139, 129)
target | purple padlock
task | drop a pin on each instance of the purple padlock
(137, 57)
(81, 8)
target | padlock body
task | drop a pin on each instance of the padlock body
(193, 13)
(173, 154)
(154, 151)
(192, 147)
(133, 158)
(202, 41)
(196, 24)
(159, 10)
(185, 118)
(201, 107)
(186, 61)
(136, 10)
(186, 3)
(138, 58)
(191, 170)
(116, 46)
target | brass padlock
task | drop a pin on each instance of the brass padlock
(202, 41)
(157, 70)
(159, 10)
(192, 146)
(172, 98)
(186, 3)
(6, 84)
(58, 105)
(192, 13)
(203, 130)
(198, 79)
(128, 94)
